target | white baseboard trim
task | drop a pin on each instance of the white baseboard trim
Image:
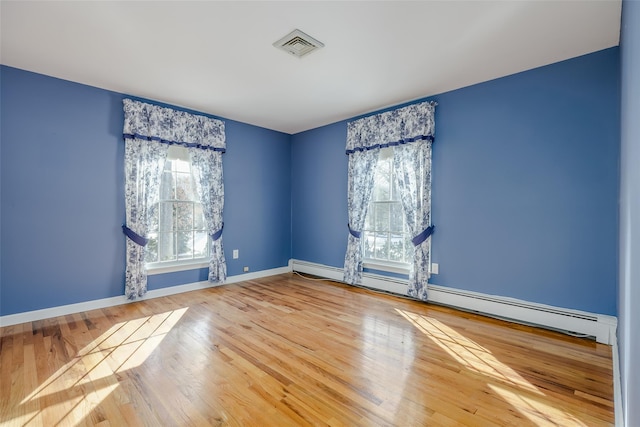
(63, 310)
(600, 326)
(258, 274)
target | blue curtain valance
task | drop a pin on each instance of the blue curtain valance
(152, 122)
(401, 126)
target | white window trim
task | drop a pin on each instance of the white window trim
(392, 266)
(377, 263)
(173, 266)
(388, 266)
(161, 267)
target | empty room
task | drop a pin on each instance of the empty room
(341, 213)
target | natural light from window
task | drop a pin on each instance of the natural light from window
(92, 373)
(178, 232)
(378, 333)
(386, 238)
(502, 379)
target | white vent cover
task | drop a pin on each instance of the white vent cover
(298, 43)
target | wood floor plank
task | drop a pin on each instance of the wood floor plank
(288, 351)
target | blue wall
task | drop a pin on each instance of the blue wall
(629, 291)
(525, 186)
(258, 197)
(319, 195)
(62, 198)
(61, 186)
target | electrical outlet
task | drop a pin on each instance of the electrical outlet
(236, 254)
(245, 269)
(434, 268)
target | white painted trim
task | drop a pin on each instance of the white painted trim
(320, 270)
(602, 327)
(172, 290)
(617, 384)
(391, 267)
(258, 274)
(162, 268)
(63, 310)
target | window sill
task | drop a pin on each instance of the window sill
(391, 267)
(172, 267)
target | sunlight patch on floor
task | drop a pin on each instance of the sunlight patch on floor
(538, 412)
(503, 380)
(466, 352)
(86, 380)
(400, 352)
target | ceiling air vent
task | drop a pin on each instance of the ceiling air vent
(298, 43)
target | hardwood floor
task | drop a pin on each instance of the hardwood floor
(284, 350)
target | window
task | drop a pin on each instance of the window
(387, 242)
(178, 234)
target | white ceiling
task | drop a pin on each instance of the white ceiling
(218, 58)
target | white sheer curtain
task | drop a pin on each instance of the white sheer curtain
(148, 132)
(410, 131)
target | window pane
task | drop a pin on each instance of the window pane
(368, 241)
(167, 187)
(395, 191)
(184, 188)
(153, 217)
(185, 244)
(382, 216)
(382, 246)
(166, 217)
(396, 247)
(384, 166)
(178, 228)
(151, 250)
(408, 249)
(397, 217)
(184, 216)
(198, 217)
(168, 163)
(381, 187)
(178, 152)
(167, 251)
(182, 165)
(368, 220)
(200, 244)
(386, 234)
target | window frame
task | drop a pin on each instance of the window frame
(159, 267)
(379, 263)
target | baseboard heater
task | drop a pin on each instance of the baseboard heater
(598, 326)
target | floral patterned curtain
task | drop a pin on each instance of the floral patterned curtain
(360, 186)
(148, 132)
(402, 127)
(143, 163)
(413, 171)
(207, 170)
